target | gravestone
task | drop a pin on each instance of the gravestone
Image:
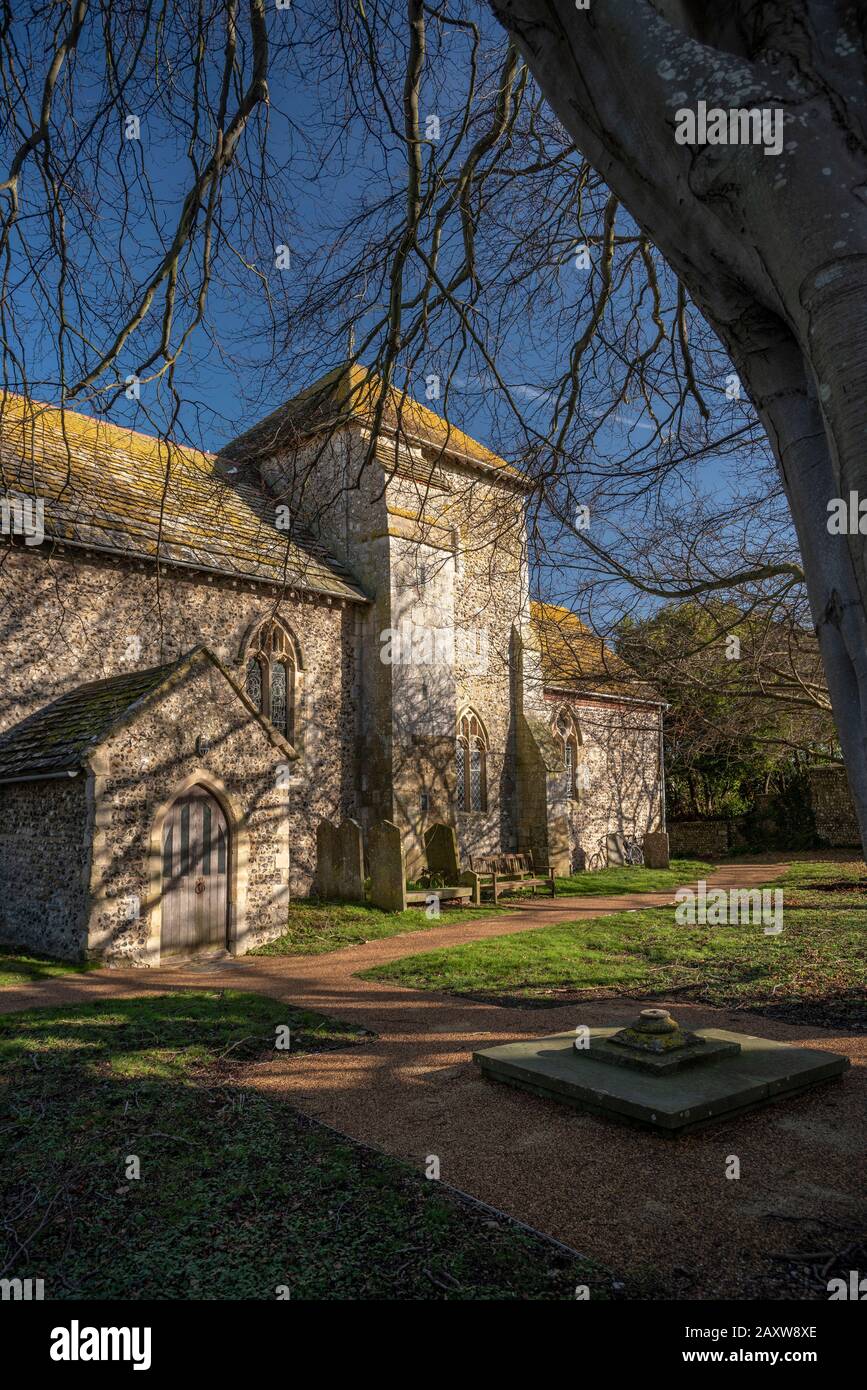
(340, 861)
(387, 867)
(655, 847)
(326, 859)
(441, 852)
(615, 849)
(350, 862)
(559, 847)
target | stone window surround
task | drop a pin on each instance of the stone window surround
(566, 732)
(472, 736)
(256, 644)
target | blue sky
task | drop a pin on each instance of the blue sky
(230, 374)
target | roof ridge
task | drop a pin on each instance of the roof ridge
(345, 387)
(46, 745)
(576, 658)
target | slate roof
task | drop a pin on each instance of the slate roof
(350, 392)
(112, 488)
(575, 659)
(58, 738)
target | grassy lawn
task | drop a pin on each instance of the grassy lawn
(238, 1194)
(17, 969)
(603, 882)
(815, 972)
(315, 928)
(832, 885)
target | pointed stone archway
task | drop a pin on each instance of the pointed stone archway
(191, 910)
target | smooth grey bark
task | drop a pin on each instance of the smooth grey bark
(773, 249)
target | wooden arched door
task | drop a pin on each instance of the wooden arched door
(195, 877)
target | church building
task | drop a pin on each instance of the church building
(205, 655)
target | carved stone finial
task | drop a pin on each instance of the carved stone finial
(654, 1031)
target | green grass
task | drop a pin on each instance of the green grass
(815, 971)
(238, 1193)
(830, 884)
(603, 882)
(315, 928)
(17, 968)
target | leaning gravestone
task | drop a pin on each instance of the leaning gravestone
(441, 852)
(559, 847)
(387, 867)
(655, 848)
(349, 862)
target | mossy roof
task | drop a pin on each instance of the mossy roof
(111, 488)
(575, 659)
(59, 737)
(351, 392)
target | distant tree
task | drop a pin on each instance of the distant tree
(747, 708)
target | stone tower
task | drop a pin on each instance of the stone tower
(432, 525)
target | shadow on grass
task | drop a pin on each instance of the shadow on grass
(18, 965)
(136, 1166)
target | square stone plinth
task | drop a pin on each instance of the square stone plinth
(700, 1049)
(672, 1103)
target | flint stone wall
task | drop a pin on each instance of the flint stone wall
(114, 619)
(831, 800)
(45, 866)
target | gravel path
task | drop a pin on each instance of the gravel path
(647, 1208)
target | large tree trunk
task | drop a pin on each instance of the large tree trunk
(772, 367)
(773, 249)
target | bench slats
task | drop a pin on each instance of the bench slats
(504, 873)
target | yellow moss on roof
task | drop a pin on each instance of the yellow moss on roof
(352, 392)
(574, 657)
(111, 487)
(91, 432)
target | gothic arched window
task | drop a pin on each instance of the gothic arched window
(471, 764)
(271, 676)
(568, 737)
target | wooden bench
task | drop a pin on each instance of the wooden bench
(508, 873)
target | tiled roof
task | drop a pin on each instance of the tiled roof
(574, 658)
(351, 392)
(56, 738)
(112, 488)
